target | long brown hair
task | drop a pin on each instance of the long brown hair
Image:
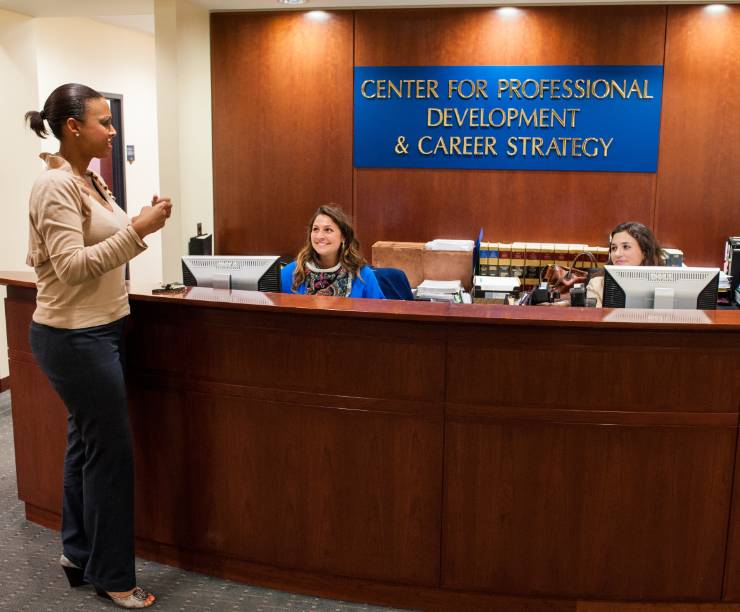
(350, 255)
(651, 251)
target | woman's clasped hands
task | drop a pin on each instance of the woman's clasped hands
(152, 218)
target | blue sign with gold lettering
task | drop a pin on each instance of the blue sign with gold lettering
(589, 118)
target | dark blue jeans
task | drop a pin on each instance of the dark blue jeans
(85, 367)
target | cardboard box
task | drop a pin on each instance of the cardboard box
(406, 256)
(449, 265)
(420, 264)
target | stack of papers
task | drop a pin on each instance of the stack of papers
(496, 283)
(442, 244)
(440, 287)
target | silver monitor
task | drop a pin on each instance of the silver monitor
(250, 272)
(660, 287)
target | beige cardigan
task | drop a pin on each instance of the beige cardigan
(78, 249)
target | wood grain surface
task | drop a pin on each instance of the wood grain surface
(283, 136)
(697, 205)
(282, 126)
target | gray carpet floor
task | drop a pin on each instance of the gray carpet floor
(30, 577)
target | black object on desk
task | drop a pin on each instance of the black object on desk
(201, 244)
(539, 295)
(732, 264)
(578, 295)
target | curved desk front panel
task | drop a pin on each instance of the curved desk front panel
(423, 455)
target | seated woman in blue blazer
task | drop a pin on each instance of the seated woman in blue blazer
(330, 263)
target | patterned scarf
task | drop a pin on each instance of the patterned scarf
(336, 281)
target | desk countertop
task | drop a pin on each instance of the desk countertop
(486, 314)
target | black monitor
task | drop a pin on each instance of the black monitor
(660, 287)
(252, 272)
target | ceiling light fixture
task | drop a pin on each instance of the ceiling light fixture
(508, 11)
(716, 8)
(317, 15)
(292, 2)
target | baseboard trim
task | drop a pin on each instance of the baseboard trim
(4, 384)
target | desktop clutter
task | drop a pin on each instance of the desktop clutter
(439, 270)
(516, 273)
(548, 273)
(555, 274)
(493, 273)
(490, 273)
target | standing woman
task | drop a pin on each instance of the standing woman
(79, 243)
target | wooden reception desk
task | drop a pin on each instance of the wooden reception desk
(424, 455)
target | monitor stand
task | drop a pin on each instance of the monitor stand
(663, 297)
(222, 280)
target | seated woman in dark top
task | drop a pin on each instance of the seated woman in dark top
(630, 244)
(330, 263)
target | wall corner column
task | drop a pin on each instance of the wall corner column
(184, 124)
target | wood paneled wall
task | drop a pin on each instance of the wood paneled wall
(698, 200)
(282, 125)
(282, 95)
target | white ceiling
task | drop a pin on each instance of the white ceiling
(222, 5)
(100, 8)
(139, 14)
(78, 8)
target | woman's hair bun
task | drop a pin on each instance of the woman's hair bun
(66, 101)
(36, 122)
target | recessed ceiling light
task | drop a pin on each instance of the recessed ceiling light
(318, 15)
(716, 8)
(509, 11)
(292, 2)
